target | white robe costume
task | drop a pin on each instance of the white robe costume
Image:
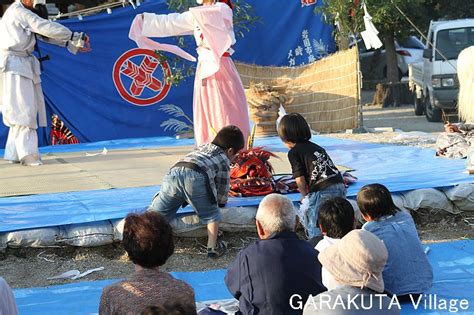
(219, 97)
(22, 98)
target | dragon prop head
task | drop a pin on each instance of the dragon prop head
(251, 173)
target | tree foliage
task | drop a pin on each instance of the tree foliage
(347, 17)
(389, 21)
(449, 9)
(391, 24)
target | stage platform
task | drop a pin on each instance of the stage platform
(95, 182)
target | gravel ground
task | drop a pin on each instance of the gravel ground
(31, 267)
(23, 268)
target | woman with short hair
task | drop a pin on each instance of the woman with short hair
(148, 241)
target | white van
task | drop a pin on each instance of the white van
(435, 78)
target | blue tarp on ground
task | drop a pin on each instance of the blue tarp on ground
(84, 297)
(92, 94)
(453, 267)
(400, 168)
(20, 213)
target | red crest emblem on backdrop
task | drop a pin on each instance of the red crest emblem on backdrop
(308, 2)
(140, 78)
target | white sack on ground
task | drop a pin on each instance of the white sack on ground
(238, 219)
(43, 237)
(87, 234)
(118, 229)
(429, 199)
(462, 196)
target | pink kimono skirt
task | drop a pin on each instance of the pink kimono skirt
(219, 101)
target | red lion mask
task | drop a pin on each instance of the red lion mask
(251, 174)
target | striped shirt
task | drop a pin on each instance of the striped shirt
(213, 160)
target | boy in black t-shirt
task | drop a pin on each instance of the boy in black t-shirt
(316, 175)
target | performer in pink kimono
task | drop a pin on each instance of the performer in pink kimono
(219, 98)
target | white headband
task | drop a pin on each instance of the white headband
(199, 1)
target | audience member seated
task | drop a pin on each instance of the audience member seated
(335, 219)
(455, 141)
(356, 262)
(7, 300)
(170, 309)
(266, 274)
(148, 240)
(408, 270)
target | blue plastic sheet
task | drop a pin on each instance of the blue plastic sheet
(84, 297)
(37, 211)
(400, 168)
(453, 267)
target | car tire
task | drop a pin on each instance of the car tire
(419, 106)
(432, 113)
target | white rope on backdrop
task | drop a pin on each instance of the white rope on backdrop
(94, 10)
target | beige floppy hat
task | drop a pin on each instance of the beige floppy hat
(358, 260)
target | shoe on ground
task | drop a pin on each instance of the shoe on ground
(31, 160)
(34, 163)
(218, 251)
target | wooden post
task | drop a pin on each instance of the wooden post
(392, 94)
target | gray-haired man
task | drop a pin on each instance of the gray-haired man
(266, 274)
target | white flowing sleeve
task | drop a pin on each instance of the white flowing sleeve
(72, 44)
(50, 32)
(52, 41)
(166, 25)
(46, 28)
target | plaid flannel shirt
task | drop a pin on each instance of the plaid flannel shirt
(213, 160)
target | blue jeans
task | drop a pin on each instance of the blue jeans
(315, 201)
(183, 185)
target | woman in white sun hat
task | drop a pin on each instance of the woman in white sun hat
(356, 262)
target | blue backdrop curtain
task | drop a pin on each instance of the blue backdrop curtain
(81, 90)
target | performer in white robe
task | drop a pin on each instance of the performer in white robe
(22, 94)
(219, 97)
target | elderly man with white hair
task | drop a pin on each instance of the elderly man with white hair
(267, 275)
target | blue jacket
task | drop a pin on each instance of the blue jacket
(408, 269)
(266, 274)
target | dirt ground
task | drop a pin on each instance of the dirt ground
(31, 267)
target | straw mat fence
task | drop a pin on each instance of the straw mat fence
(325, 92)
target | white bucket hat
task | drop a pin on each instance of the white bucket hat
(358, 260)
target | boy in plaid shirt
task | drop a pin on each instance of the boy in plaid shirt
(202, 179)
